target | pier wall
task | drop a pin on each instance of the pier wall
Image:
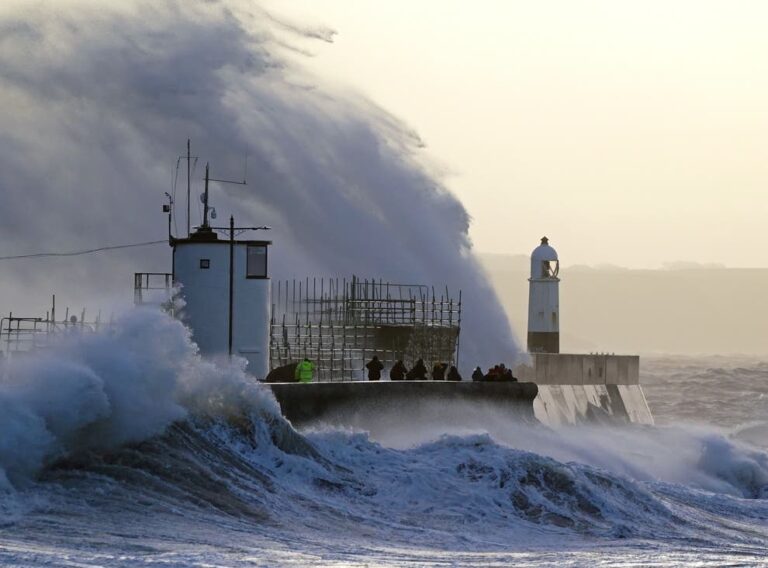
(576, 389)
(556, 390)
(346, 402)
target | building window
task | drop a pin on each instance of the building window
(256, 265)
(205, 263)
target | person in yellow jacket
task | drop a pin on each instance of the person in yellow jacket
(304, 371)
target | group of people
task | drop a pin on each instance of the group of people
(497, 373)
(399, 372)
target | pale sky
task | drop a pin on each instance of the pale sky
(632, 133)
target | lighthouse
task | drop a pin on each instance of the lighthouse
(543, 302)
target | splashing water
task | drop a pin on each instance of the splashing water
(128, 436)
(102, 96)
(99, 391)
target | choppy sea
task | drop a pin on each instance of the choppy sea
(126, 449)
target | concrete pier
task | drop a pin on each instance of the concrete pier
(576, 389)
(303, 403)
(557, 390)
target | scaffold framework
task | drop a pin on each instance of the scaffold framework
(20, 335)
(340, 324)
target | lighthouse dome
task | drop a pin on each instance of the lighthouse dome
(544, 261)
(544, 251)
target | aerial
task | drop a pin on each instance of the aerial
(336, 283)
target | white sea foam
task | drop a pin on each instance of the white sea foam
(146, 426)
(101, 390)
(689, 454)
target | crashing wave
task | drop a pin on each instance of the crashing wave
(109, 426)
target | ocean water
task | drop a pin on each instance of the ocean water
(126, 449)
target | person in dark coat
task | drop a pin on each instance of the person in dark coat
(438, 371)
(418, 372)
(493, 374)
(374, 367)
(453, 374)
(505, 375)
(398, 371)
(477, 375)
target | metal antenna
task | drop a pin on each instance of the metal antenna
(205, 197)
(169, 209)
(189, 157)
(189, 184)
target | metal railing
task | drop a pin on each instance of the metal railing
(152, 287)
(26, 334)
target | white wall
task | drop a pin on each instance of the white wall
(542, 304)
(206, 294)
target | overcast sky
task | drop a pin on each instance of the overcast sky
(631, 133)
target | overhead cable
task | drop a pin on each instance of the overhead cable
(81, 252)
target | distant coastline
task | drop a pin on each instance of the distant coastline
(680, 310)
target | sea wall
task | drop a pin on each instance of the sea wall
(571, 369)
(556, 389)
(576, 389)
(558, 405)
(347, 401)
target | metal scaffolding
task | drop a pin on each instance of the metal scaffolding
(340, 324)
(26, 334)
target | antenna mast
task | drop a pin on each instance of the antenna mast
(205, 199)
(205, 195)
(208, 179)
(189, 158)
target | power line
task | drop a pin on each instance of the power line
(81, 252)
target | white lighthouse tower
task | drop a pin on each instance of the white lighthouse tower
(543, 302)
(226, 291)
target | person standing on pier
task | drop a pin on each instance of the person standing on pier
(398, 371)
(374, 367)
(304, 371)
(438, 371)
(418, 372)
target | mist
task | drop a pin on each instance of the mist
(683, 308)
(97, 101)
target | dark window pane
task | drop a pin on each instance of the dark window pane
(257, 262)
(205, 263)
